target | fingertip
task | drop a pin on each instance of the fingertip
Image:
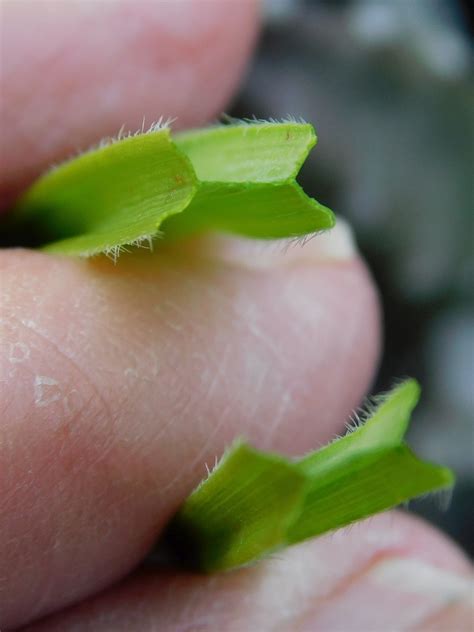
(388, 572)
(140, 373)
(75, 72)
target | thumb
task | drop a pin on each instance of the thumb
(120, 382)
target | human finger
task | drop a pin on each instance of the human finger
(119, 382)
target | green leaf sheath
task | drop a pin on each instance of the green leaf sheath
(255, 210)
(261, 152)
(362, 486)
(385, 428)
(237, 178)
(243, 508)
(254, 503)
(247, 182)
(110, 197)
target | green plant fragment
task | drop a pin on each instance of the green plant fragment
(385, 428)
(248, 152)
(254, 210)
(236, 178)
(254, 503)
(247, 174)
(362, 486)
(243, 508)
(116, 195)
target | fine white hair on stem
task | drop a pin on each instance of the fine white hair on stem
(162, 123)
(212, 468)
(113, 252)
(121, 131)
(440, 497)
(443, 497)
(254, 120)
(300, 240)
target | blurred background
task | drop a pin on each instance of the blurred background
(387, 85)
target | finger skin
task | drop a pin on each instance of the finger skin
(73, 72)
(388, 573)
(120, 382)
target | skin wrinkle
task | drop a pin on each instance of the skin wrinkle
(187, 614)
(200, 289)
(309, 615)
(414, 607)
(105, 409)
(56, 450)
(218, 375)
(45, 554)
(262, 381)
(186, 404)
(195, 466)
(352, 326)
(116, 345)
(238, 315)
(47, 547)
(283, 409)
(47, 587)
(433, 621)
(376, 557)
(238, 318)
(197, 460)
(248, 318)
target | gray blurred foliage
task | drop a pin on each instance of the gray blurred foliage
(387, 83)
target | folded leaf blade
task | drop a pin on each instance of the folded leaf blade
(385, 428)
(254, 210)
(240, 512)
(365, 485)
(248, 152)
(254, 503)
(105, 198)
